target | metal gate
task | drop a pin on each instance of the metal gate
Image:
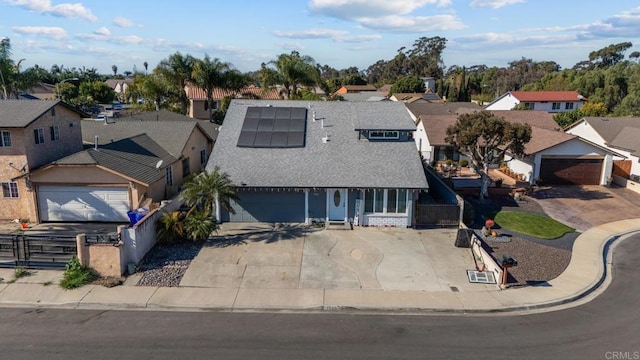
(437, 215)
(36, 251)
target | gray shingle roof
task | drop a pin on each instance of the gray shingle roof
(618, 132)
(20, 113)
(344, 161)
(168, 129)
(442, 108)
(135, 158)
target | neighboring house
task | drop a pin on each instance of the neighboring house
(129, 162)
(119, 86)
(549, 101)
(298, 161)
(365, 96)
(199, 107)
(420, 111)
(619, 134)
(40, 91)
(416, 98)
(558, 158)
(32, 134)
(348, 89)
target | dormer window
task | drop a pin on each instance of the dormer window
(383, 135)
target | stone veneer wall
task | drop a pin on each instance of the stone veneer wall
(386, 220)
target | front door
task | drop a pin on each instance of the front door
(337, 199)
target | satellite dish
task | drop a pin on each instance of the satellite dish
(158, 164)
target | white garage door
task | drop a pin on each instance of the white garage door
(83, 203)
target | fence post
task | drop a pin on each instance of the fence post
(81, 241)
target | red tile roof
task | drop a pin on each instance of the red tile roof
(251, 91)
(531, 96)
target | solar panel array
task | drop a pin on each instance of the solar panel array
(273, 127)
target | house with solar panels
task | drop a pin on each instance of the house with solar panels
(337, 162)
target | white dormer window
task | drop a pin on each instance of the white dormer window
(379, 134)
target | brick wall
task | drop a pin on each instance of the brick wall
(385, 220)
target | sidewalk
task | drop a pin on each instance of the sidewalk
(586, 273)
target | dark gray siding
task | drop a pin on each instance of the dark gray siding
(269, 206)
(318, 204)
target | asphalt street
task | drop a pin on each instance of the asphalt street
(604, 328)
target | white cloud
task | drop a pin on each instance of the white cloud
(389, 16)
(55, 33)
(355, 9)
(65, 10)
(335, 35)
(123, 22)
(103, 31)
(495, 4)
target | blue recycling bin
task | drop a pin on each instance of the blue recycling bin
(132, 217)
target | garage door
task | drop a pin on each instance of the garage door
(284, 206)
(571, 171)
(83, 203)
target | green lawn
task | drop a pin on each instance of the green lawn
(539, 226)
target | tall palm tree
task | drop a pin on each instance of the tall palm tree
(6, 66)
(114, 69)
(291, 71)
(177, 69)
(201, 191)
(146, 66)
(209, 74)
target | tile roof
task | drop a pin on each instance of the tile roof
(532, 96)
(250, 92)
(344, 161)
(135, 158)
(618, 132)
(166, 128)
(20, 113)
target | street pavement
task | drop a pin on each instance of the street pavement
(367, 269)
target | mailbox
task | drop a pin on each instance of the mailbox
(509, 261)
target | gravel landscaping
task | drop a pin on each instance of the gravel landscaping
(165, 264)
(539, 260)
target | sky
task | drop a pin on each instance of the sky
(339, 33)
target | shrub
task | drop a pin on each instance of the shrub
(170, 227)
(464, 162)
(76, 275)
(448, 162)
(199, 225)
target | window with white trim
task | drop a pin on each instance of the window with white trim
(386, 201)
(568, 106)
(55, 132)
(38, 134)
(381, 135)
(10, 189)
(169, 175)
(5, 139)
(203, 156)
(555, 106)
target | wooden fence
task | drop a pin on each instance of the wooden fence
(622, 168)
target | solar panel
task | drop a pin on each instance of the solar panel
(273, 127)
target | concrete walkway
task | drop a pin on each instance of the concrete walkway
(584, 277)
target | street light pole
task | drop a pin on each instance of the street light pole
(62, 82)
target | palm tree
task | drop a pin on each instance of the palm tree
(177, 69)
(6, 66)
(210, 74)
(114, 69)
(170, 227)
(201, 191)
(291, 71)
(146, 66)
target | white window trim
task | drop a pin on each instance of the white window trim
(386, 134)
(13, 186)
(2, 134)
(554, 107)
(56, 132)
(384, 202)
(41, 136)
(169, 175)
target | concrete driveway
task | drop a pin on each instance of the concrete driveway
(294, 257)
(583, 207)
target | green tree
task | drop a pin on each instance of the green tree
(201, 191)
(114, 69)
(210, 74)
(408, 84)
(609, 55)
(177, 70)
(6, 67)
(95, 92)
(291, 71)
(484, 138)
(199, 225)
